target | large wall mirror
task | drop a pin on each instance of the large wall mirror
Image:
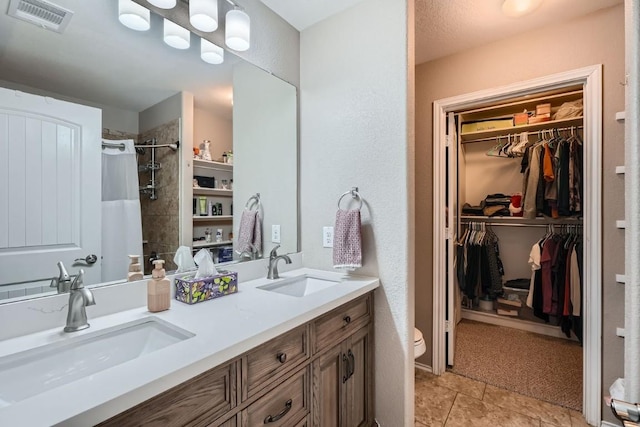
(113, 143)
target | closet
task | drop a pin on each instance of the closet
(476, 145)
(519, 194)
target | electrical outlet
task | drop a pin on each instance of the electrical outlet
(327, 237)
(275, 234)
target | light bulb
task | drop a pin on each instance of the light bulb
(175, 35)
(203, 15)
(134, 16)
(238, 30)
(211, 53)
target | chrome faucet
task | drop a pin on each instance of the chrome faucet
(273, 263)
(79, 298)
(252, 254)
(63, 281)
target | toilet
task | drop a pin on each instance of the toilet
(419, 347)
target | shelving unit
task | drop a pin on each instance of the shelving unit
(213, 218)
(219, 192)
(210, 164)
(202, 244)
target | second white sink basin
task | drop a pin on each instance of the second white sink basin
(300, 286)
(31, 372)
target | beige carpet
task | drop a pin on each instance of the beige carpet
(542, 367)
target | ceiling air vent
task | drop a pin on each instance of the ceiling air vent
(41, 13)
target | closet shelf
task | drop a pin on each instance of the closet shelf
(519, 221)
(203, 191)
(212, 218)
(471, 136)
(209, 164)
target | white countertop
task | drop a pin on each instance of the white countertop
(224, 328)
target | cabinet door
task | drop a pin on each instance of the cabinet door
(329, 374)
(359, 386)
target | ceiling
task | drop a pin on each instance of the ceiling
(444, 27)
(97, 59)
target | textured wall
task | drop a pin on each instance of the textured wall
(355, 132)
(595, 38)
(160, 218)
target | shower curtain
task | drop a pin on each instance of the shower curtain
(121, 214)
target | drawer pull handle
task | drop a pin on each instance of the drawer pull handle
(278, 416)
(346, 368)
(282, 357)
(352, 364)
(347, 319)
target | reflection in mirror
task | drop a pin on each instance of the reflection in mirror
(103, 152)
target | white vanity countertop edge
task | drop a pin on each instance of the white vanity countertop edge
(224, 328)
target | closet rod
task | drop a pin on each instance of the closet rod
(539, 132)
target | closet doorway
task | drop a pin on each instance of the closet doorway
(450, 224)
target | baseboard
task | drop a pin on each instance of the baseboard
(423, 367)
(524, 325)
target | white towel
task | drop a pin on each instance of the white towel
(250, 232)
(347, 239)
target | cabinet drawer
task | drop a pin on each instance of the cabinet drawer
(286, 405)
(206, 397)
(282, 354)
(338, 324)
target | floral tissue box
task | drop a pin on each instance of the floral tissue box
(191, 291)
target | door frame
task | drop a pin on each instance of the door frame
(591, 77)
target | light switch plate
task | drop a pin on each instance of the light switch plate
(275, 233)
(327, 237)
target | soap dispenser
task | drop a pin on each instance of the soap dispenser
(158, 289)
(135, 272)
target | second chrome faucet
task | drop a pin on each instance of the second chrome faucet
(273, 263)
(79, 298)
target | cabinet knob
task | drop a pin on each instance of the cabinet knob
(281, 357)
(347, 319)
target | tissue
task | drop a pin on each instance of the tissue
(205, 264)
(184, 260)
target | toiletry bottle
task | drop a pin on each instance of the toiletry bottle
(203, 206)
(135, 272)
(158, 289)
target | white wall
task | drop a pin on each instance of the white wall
(355, 131)
(112, 118)
(208, 125)
(265, 149)
(161, 113)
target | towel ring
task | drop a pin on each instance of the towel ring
(354, 194)
(256, 199)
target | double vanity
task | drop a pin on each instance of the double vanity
(297, 350)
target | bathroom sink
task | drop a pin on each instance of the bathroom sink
(300, 286)
(34, 371)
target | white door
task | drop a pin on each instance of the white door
(49, 187)
(453, 300)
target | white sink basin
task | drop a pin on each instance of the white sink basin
(300, 286)
(31, 372)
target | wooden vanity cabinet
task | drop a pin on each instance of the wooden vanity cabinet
(318, 374)
(343, 382)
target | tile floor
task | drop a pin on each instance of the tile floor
(451, 400)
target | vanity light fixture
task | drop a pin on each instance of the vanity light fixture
(134, 16)
(518, 8)
(163, 4)
(211, 53)
(238, 30)
(203, 15)
(175, 35)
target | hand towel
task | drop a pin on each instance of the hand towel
(250, 232)
(347, 239)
